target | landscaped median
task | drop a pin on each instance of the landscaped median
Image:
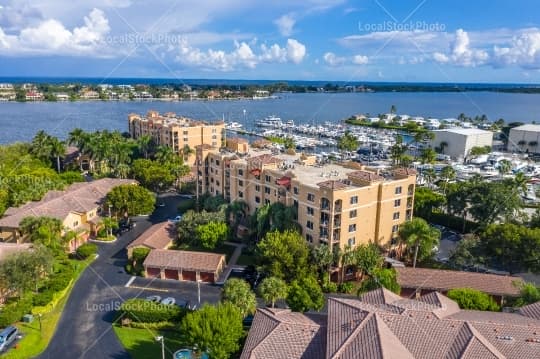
(37, 334)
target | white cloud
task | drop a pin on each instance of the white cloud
(332, 60)
(524, 50)
(461, 52)
(52, 37)
(360, 60)
(242, 56)
(296, 51)
(285, 24)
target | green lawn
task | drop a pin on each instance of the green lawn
(141, 343)
(33, 343)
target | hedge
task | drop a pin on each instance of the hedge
(144, 311)
(14, 312)
(86, 250)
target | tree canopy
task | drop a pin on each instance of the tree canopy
(348, 142)
(305, 294)
(131, 200)
(473, 299)
(284, 255)
(272, 289)
(420, 239)
(238, 292)
(216, 330)
(187, 228)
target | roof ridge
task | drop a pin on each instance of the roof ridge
(386, 334)
(486, 343)
(352, 335)
(272, 318)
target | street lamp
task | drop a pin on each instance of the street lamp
(199, 292)
(162, 340)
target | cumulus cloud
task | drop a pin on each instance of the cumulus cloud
(333, 60)
(360, 60)
(285, 24)
(461, 52)
(524, 51)
(242, 56)
(52, 37)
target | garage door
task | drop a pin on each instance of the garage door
(152, 272)
(207, 277)
(171, 274)
(187, 275)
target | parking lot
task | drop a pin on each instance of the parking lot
(448, 242)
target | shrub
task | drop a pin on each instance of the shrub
(86, 250)
(328, 286)
(102, 233)
(473, 299)
(144, 311)
(346, 287)
(43, 298)
(14, 312)
(59, 281)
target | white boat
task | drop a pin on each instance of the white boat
(233, 125)
(270, 121)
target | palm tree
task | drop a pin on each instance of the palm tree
(40, 146)
(448, 174)
(521, 182)
(272, 289)
(504, 167)
(144, 142)
(164, 154)
(429, 175)
(323, 258)
(418, 233)
(58, 149)
(122, 170)
(186, 152)
(348, 258)
(77, 137)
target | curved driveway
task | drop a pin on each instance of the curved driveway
(84, 329)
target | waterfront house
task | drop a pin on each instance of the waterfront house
(34, 96)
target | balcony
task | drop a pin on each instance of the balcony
(324, 224)
(337, 223)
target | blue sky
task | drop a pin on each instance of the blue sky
(362, 40)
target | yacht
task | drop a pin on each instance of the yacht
(270, 121)
(233, 125)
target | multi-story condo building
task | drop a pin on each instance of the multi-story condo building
(337, 204)
(176, 131)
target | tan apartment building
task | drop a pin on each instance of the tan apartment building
(337, 204)
(177, 131)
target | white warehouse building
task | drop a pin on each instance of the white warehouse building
(457, 142)
(525, 138)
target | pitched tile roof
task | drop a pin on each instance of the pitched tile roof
(159, 236)
(185, 260)
(80, 197)
(7, 249)
(272, 330)
(444, 280)
(383, 325)
(531, 310)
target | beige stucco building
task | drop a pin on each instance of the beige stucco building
(176, 131)
(336, 204)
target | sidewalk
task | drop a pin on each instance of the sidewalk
(232, 262)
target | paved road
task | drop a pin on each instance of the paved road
(84, 330)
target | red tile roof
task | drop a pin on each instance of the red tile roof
(383, 325)
(402, 171)
(159, 236)
(444, 280)
(185, 260)
(365, 176)
(333, 185)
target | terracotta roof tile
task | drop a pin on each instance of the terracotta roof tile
(159, 236)
(531, 310)
(365, 176)
(333, 185)
(444, 280)
(186, 260)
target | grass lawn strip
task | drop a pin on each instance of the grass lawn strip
(142, 344)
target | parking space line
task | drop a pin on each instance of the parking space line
(130, 281)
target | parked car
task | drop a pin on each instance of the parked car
(7, 337)
(176, 219)
(160, 204)
(154, 298)
(168, 301)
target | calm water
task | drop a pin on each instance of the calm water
(20, 121)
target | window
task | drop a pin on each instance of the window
(214, 137)
(240, 194)
(211, 160)
(354, 199)
(214, 130)
(266, 190)
(75, 224)
(185, 139)
(214, 144)
(240, 183)
(266, 201)
(396, 215)
(395, 228)
(267, 178)
(309, 224)
(352, 214)
(351, 241)
(240, 172)
(398, 190)
(309, 238)
(185, 133)
(352, 227)
(217, 162)
(257, 199)
(295, 190)
(257, 188)
(397, 203)
(310, 211)
(311, 197)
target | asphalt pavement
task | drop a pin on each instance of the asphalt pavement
(84, 329)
